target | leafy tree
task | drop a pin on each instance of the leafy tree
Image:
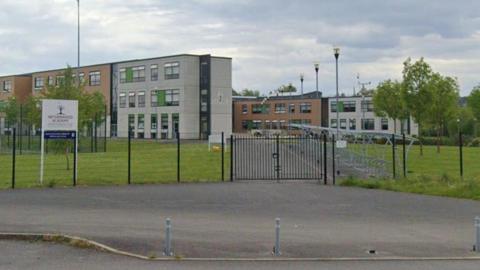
(473, 102)
(287, 89)
(251, 93)
(32, 112)
(388, 101)
(90, 105)
(11, 110)
(443, 105)
(416, 93)
(235, 93)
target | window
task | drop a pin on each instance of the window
(343, 123)
(291, 108)
(164, 121)
(132, 74)
(141, 121)
(368, 124)
(349, 106)
(154, 72)
(59, 80)
(51, 81)
(261, 108)
(94, 78)
(333, 123)
(306, 107)
(141, 99)
(244, 108)
(7, 86)
(153, 122)
(38, 82)
(81, 75)
(123, 100)
(131, 100)
(256, 124)
(283, 124)
(352, 124)
(367, 106)
(165, 97)
(172, 70)
(384, 123)
(131, 121)
(343, 106)
(280, 108)
(306, 121)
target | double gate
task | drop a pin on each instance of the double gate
(278, 158)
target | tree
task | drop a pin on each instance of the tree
(287, 89)
(443, 106)
(416, 93)
(11, 110)
(235, 93)
(388, 101)
(251, 93)
(90, 105)
(473, 102)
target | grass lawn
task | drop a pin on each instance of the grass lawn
(433, 173)
(152, 162)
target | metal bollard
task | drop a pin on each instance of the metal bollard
(276, 249)
(476, 248)
(168, 238)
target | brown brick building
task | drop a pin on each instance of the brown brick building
(276, 112)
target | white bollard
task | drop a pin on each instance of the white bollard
(477, 236)
(276, 249)
(168, 238)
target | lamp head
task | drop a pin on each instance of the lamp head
(336, 52)
(317, 65)
(301, 77)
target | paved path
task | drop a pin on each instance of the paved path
(44, 256)
(237, 219)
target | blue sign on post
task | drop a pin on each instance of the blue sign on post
(59, 135)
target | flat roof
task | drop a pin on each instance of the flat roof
(116, 62)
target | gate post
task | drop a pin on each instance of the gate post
(333, 160)
(324, 158)
(231, 158)
(277, 167)
(393, 156)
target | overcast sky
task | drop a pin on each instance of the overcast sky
(271, 41)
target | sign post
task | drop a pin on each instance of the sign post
(59, 121)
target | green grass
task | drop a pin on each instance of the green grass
(152, 162)
(433, 173)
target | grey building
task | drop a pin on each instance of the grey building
(158, 97)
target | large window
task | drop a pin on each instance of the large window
(164, 121)
(367, 106)
(306, 107)
(131, 100)
(368, 124)
(59, 80)
(244, 108)
(172, 70)
(38, 82)
(141, 121)
(7, 86)
(131, 121)
(333, 123)
(384, 123)
(343, 106)
(165, 97)
(257, 124)
(261, 108)
(343, 123)
(51, 80)
(153, 122)
(141, 99)
(132, 74)
(154, 72)
(352, 124)
(123, 100)
(280, 108)
(94, 78)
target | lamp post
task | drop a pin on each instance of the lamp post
(301, 84)
(78, 43)
(317, 65)
(336, 53)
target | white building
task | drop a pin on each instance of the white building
(356, 113)
(158, 97)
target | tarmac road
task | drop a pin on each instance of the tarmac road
(45, 256)
(237, 219)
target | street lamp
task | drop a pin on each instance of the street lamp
(78, 43)
(301, 83)
(317, 65)
(336, 53)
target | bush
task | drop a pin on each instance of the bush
(475, 142)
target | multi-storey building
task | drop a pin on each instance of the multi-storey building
(158, 97)
(95, 78)
(276, 112)
(356, 113)
(17, 86)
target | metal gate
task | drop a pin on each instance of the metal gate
(277, 158)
